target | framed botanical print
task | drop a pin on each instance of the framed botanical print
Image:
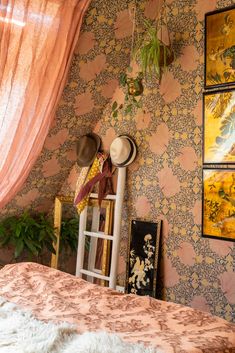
(218, 211)
(220, 47)
(141, 276)
(219, 127)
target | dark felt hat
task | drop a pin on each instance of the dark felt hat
(87, 148)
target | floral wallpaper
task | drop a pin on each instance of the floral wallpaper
(165, 181)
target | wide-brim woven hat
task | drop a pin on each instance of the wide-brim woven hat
(123, 151)
(87, 148)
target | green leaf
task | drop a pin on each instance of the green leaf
(50, 247)
(128, 109)
(115, 114)
(2, 230)
(5, 241)
(18, 230)
(31, 246)
(19, 247)
(123, 79)
(42, 235)
(69, 234)
(114, 106)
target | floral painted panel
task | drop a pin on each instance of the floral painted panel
(219, 113)
(219, 203)
(143, 258)
(220, 48)
(57, 296)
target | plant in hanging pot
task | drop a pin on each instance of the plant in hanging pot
(133, 88)
(152, 54)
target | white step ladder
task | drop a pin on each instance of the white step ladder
(115, 237)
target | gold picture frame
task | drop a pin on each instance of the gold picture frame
(219, 127)
(107, 205)
(58, 210)
(102, 222)
(218, 211)
(219, 48)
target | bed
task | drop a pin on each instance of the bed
(54, 295)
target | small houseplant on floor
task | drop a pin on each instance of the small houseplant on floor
(29, 236)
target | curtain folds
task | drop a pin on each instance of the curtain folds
(37, 40)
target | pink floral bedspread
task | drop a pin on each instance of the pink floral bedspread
(57, 296)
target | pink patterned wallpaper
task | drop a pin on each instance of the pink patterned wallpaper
(165, 180)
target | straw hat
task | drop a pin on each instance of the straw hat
(123, 151)
(87, 148)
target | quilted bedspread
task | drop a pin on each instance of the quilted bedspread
(57, 296)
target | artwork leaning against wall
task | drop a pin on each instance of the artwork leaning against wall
(143, 251)
(66, 223)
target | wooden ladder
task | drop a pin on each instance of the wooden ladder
(115, 237)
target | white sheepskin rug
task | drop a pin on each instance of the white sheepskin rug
(20, 332)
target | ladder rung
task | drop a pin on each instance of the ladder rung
(98, 235)
(97, 271)
(93, 274)
(108, 197)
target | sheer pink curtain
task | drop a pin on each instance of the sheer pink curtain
(37, 39)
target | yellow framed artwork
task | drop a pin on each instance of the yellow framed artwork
(220, 47)
(219, 127)
(60, 203)
(100, 220)
(218, 218)
(66, 225)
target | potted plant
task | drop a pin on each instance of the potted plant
(133, 88)
(151, 53)
(28, 235)
(69, 235)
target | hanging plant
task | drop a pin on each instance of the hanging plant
(152, 54)
(133, 88)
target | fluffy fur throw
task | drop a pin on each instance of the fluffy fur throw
(20, 332)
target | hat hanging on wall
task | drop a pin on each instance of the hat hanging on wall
(87, 148)
(123, 151)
